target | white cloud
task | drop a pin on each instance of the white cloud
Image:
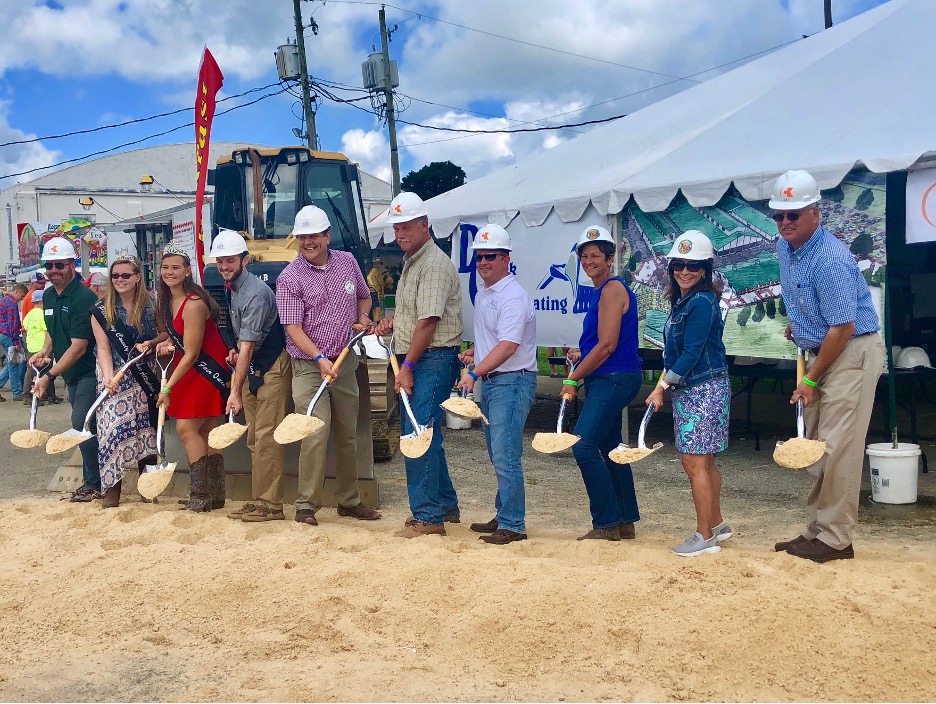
(21, 157)
(370, 149)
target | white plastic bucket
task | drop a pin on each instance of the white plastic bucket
(894, 472)
(454, 422)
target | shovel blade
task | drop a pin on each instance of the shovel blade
(799, 453)
(66, 441)
(26, 439)
(551, 443)
(416, 444)
(155, 479)
(226, 434)
(624, 454)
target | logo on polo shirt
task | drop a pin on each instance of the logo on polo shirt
(349, 287)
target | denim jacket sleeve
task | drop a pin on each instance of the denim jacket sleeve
(698, 318)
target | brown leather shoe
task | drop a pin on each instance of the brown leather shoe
(502, 536)
(627, 531)
(360, 512)
(417, 529)
(261, 514)
(489, 527)
(454, 517)
(239, 513)
(785, 545)
(817, 551)
(111, 498)
(306, 515)
(612, 534)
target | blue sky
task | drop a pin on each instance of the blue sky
(68, 65)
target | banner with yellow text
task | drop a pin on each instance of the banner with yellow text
(210, 80)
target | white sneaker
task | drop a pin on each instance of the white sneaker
(722, 531)
(695, 545)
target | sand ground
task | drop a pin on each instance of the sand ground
(148, 603)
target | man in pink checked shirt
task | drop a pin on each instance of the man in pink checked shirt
(319, 297)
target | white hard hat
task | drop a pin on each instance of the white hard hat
(97, 279)
(58, 249)
(794, 190)
(593, 234)
(405, 207)
(912, 358)
(492, 237)
(227, 243)
(692, 245)
(311, 220)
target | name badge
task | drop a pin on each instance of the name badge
(49, 312)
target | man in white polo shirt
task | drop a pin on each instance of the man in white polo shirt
(505, 359)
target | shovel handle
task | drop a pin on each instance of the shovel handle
(800, 422)
(341, 358)
(118, 377)
(641, 434)
(800, 365)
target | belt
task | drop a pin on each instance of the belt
(443, 349)
(815, 350)
(491, 375)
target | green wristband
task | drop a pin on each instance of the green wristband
(809, 382)
(570, 382)
(166, 390)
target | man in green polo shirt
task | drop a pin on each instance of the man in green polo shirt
(70, 342)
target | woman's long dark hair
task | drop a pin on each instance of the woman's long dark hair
(706, 283)
(164, 299)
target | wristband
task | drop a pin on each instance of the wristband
(407, 363)
(166, 390)
(321, 356)
(809, 382)
(472, 375)
(662, 383)
(570, 382)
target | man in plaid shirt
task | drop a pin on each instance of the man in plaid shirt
(319, 297)
(11, 330)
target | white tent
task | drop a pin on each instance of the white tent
(860, 93)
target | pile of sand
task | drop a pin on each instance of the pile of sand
(295, 427)
(799, 453)
(145, 602)
(550, 443)
(416, 445)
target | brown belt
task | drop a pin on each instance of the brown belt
(815, 350)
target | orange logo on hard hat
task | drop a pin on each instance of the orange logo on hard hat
(54, 249)
(484, 235)
(788, 192)
(592, 234)
(685, 247)
(397, 208)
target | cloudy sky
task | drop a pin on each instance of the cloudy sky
(76, 65)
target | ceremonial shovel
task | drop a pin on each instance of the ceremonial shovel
(30, 438)
(156, 478)
(297, 426)
(625, 454)
(416, 443)
(462, 406)
(798, 452)
(226, 434)
(71, 437)
(551, 443)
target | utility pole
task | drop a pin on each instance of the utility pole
(388, 95)
(311, 135)
(827, 6)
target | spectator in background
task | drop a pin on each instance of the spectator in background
(11, 329)
(38, 282)
(34, 327)
(98, 283)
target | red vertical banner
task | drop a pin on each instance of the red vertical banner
(210, 80)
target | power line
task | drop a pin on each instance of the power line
(128, 122)
(138, 141)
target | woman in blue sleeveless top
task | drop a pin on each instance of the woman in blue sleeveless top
(610, 369)
(697, 369)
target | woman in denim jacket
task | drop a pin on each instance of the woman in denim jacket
(610, 369)
(696, 368)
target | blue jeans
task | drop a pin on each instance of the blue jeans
(610, 486)
(16, 373)
(431, 494)
(506, 401)
(81, 396)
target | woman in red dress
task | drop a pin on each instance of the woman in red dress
(187, 314)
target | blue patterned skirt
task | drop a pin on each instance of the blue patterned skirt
(125, 435)
(700, 417)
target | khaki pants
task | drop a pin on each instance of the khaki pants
(840, 416)
(264, 412)
(338, 409)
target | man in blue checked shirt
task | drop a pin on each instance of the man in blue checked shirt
(832, 317)
(12, 340)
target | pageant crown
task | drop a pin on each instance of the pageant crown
(173, 248)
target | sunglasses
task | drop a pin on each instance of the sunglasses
(792, 217)
(691, 266)
(54, 265)
(125, 277)
(487, 257)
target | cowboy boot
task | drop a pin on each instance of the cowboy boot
(216, 480)
(112, 496)
(200, 491)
